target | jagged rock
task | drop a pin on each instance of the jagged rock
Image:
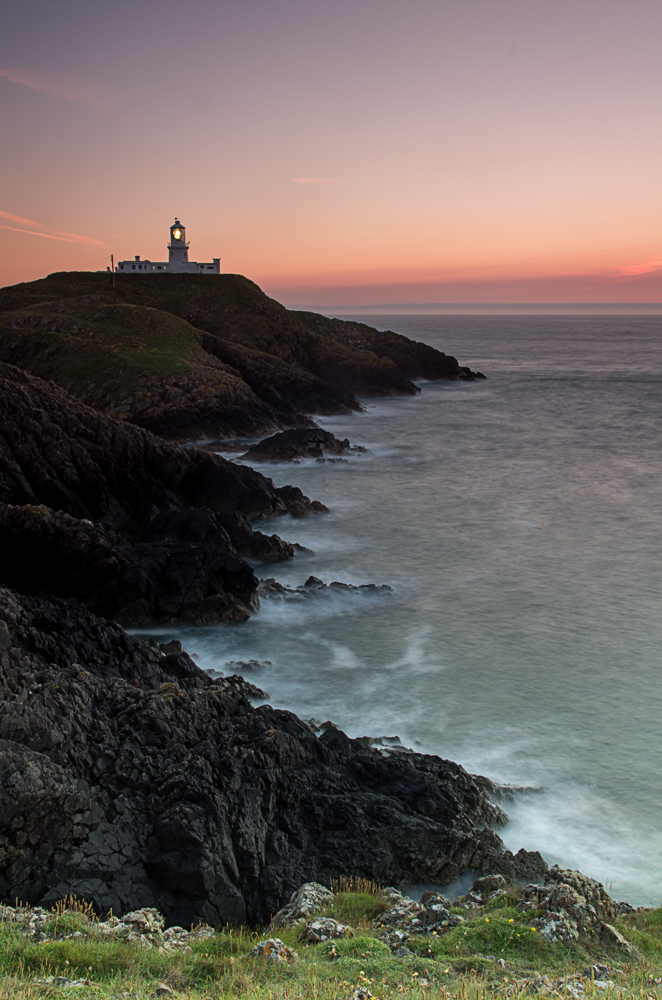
(314, 588)
(139, 529)
(324, 929)
(483, 889)
(185, 569)
(430, 898)
(299, 442)
(524, 864)
(489, 884)
(309, 899)
(130, 778)
(410, 917)
(273, 950)
(573, 904)
(392, 895)
(505, 793)
(396, 940)
(297, 504)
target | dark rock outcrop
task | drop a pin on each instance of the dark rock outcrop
(297, 503)
(412, 358)
(186, 568)
(299, 442)
(135, 527)
(314, 588)
(129, 778)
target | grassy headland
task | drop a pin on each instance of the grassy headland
(189, 355)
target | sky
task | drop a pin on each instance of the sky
(345, 152)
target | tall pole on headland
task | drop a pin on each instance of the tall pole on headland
(112, 270)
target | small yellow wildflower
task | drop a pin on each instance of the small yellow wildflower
(510, 921)
(487, 920)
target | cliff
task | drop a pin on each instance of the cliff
(137, 528)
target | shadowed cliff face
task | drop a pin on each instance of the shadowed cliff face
(138, 529)
(129, 778)
(189, 356)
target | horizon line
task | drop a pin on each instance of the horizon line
(404, 308)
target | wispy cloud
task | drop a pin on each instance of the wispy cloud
(55, 85)
(317, 181)
(63, 239)
(19, 218)
(645, 268)
(51, 234)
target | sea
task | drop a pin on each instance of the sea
(518, 523)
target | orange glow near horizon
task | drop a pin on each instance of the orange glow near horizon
(414, 153)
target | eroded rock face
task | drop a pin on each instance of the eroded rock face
(139, 529)
(129, 778)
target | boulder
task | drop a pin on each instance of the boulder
(324, 929)
(273, 950)
(309, 899)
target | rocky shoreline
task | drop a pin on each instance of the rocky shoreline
(131, 778)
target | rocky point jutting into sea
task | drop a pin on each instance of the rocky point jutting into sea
(128, 776)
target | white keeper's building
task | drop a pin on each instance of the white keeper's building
(177, 263)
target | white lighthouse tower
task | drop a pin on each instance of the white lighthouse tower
(178, 247)
(177, 263)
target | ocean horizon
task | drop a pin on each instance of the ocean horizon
(485, 309)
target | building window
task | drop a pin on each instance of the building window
(133, 267)
(158, 267)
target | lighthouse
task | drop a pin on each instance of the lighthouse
(177, 263)
(178, 247)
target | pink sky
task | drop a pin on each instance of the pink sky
(361, 151)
